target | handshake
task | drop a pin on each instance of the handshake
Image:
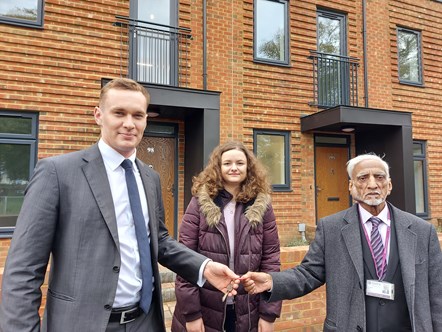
(225, 280)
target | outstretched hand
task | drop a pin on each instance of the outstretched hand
(220, 276)
(257, 282)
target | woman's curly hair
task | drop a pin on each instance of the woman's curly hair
(256, 180)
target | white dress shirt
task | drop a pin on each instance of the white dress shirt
(129, 280)
(383, 227)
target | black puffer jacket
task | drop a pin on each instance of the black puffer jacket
(204, 230)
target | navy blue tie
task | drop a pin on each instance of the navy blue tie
(142, 238)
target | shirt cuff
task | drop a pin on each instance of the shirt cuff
(201, 279)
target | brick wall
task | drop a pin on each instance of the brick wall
(385, 91)
(57, 70)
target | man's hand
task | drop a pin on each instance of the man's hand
(264, 326)
(257, 282)
(220, 276)
(195, 326)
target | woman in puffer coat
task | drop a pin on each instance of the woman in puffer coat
(230, 220)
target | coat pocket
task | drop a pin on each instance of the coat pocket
(329, 325)
(60, 296)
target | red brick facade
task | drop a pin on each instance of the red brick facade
(57, 71)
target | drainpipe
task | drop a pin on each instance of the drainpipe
(364, 42)
(205, 44)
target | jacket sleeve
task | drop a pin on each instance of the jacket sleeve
(304, 278)
(29, 252)
(187, 295)
(172, 254)
(270, 262)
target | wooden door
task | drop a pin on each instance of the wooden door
(332, 193)
(159, 153)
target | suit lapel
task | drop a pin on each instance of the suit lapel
(352, 238)
(393, 258)
(95, 173)
(368, 258)
(406, 243)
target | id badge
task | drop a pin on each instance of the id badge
(381, 289)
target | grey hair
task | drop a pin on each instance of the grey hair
(368, 156)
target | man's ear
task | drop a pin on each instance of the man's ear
(390, 186)
(350, 185)
(97, 115)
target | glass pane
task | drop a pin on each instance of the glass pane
(270, 30)
(20, 9)
(154, 42)
(156, 11)
(331, 140)
(271, 152)
(14, 125)
(408, 52)
(417, 149)
(160, 129)
(419, 186)
(332, 69)
(14, 176)
(329, 35)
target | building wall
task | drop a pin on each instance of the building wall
(56, 71)
(423, 101)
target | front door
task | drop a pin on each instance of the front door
(159, 153)
(332, 193)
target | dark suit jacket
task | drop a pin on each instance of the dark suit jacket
(68, 213)
(335, 257)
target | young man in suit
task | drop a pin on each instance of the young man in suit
(78, 211)
(382, 266)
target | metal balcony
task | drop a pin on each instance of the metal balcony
(335, 80)
(158, 53)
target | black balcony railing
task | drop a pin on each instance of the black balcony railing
(335, 80)
(157, 53)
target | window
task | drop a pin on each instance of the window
(155, 42)
(420, 178)
(409, 56)
(271, 41)
(335, 71)
(331, 33)
(22, 12)
(18, 150)
(272, 148)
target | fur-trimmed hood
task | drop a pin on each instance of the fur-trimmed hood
(212, 211)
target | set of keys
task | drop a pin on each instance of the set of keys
(229, 289)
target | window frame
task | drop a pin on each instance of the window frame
(285, 187)
(423, 158)
(256, 58)
(23, 139)
(418, 34)
(38, 23)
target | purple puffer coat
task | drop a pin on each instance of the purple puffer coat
(204, 230)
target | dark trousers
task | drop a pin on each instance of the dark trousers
(229, 324)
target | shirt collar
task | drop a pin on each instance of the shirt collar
(112, 158)
(384, 215)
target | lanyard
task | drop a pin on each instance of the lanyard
(384, 254)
